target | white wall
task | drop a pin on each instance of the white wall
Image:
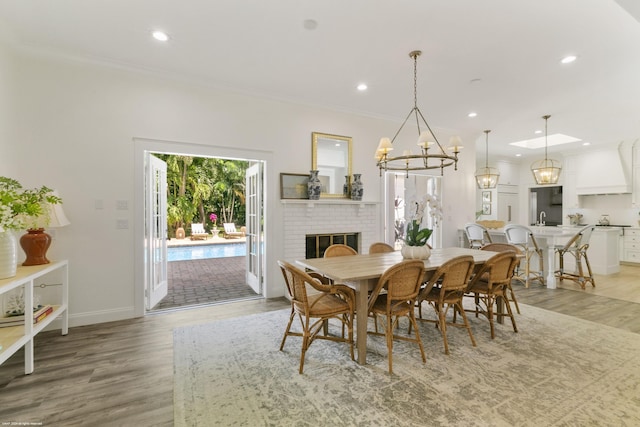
(6, 116)
(75, 125)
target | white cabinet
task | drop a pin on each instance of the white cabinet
(50, 284)
(635, 195)
(631, 245)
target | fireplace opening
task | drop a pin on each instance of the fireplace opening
(316, 244)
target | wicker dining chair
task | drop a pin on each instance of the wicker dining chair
(380, 247)
(445, 290)
(402, 283)
(339, 250)
(576, 246)
(315, 309)
(490, 283)
(502, 247)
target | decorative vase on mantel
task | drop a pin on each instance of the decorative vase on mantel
(357, 188)
(8, 254)
(345, 187)
(416, 252)
(314, 186)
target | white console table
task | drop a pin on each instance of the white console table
(54, 274)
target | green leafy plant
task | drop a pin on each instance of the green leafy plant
(21, 208)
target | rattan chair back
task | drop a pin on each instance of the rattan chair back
(380, 247)
(339, 250)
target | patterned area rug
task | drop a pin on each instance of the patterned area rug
(557, 371)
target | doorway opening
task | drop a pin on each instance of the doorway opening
(214, 268)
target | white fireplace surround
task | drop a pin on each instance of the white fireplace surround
(327, 216)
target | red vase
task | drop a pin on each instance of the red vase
(35, 244)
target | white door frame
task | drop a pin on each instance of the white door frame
(143, 145)
(156, 281)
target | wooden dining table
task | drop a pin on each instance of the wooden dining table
(361, 273)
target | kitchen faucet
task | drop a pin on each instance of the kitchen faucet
(542, 214)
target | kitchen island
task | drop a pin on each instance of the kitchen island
(603, 249)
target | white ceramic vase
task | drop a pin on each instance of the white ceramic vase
(8, 254)
(416, 252)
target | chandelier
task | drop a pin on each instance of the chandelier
(437, 158)
(487, 177)
(546, 171)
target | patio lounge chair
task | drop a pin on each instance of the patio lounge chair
(198, 232)
(230, 231)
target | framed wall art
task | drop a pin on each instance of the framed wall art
(293, 186)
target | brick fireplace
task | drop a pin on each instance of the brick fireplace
(329, 216)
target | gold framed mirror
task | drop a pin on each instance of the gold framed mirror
(331, 156)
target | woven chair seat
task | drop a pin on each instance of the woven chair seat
(399, 309)
(325, 304)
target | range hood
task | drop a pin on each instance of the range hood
(603, 171)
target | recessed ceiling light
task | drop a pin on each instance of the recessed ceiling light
(472, 114)
(310, 24)
(586, 143)
(569, 59)
(538, 132)
(362, 87)
(518, 155)
(160, 36)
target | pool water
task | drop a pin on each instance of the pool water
(188, 253)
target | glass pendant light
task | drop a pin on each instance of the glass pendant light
(487, 177)
(546, 171)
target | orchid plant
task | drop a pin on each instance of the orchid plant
(416, 236)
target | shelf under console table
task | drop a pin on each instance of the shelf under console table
(52, 275)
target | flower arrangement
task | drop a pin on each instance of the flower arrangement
(20, 208)
(214, 219)
(416, 236)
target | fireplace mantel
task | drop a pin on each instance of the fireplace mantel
(327, 216)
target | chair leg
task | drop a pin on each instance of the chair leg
(412, 321)
(389, 336)
(510, 312)
(591, 279)
(286, 331)
(490, 302)
(442, 321)
(513, 297)
(467, 325)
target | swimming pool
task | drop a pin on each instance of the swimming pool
(187, 253)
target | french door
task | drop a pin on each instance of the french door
(254, 233)
(156, 283)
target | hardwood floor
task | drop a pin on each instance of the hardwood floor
(121, 373)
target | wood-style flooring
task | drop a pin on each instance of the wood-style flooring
(121, 373)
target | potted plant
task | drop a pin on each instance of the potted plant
(20, 209)
(214, 229)
(415, 239)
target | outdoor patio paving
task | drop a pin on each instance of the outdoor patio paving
(205, 281)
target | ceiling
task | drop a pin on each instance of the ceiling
(499, 58)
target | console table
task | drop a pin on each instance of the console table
(52, 281)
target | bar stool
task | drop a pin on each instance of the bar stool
(522, 237)
(477, 235)
(577, 246)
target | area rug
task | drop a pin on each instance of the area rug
(556, 371)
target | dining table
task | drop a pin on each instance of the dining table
(361, 273)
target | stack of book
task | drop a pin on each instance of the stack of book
(39, 313)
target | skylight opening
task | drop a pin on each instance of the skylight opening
(555, 139)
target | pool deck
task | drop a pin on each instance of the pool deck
(208, 241)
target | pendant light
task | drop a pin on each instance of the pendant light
(547, 171)
(487, 177)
